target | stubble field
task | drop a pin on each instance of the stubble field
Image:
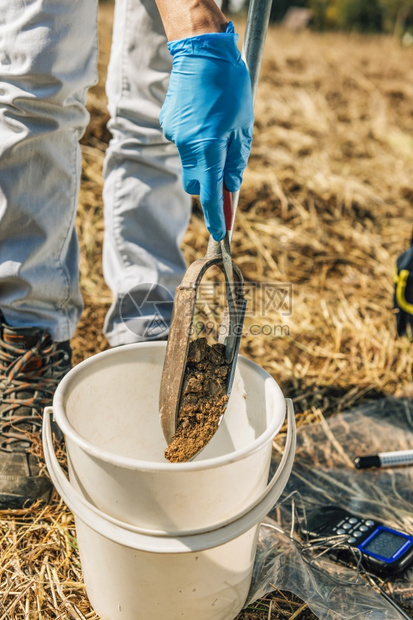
(325, 208)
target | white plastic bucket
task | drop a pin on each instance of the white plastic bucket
(158, 539)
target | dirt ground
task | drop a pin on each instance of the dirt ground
(325, 208)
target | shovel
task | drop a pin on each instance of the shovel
(218, 254)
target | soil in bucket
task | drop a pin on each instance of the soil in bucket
(203, 401)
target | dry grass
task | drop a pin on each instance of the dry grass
(325, 206)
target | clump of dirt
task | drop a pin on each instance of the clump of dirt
(203, 401)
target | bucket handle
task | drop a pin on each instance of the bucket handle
(136, 538)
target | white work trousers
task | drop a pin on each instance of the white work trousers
(48, 59)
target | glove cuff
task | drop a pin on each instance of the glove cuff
(222, 45)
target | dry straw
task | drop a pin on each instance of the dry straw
(325, 209)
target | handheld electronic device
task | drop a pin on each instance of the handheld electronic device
(385, 551)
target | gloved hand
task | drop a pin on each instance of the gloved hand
(208, 114)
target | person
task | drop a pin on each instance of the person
(176, 85)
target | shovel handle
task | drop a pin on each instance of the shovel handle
(228, 209)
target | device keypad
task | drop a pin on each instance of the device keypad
(355, 528)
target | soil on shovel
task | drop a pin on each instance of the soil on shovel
(203, 401)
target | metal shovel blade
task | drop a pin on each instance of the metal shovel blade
(179, 338)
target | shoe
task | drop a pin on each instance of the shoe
(31, 366)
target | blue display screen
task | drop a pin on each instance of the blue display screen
(385, 544)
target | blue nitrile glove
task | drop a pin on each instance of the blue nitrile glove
(208, 114)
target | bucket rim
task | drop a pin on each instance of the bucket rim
(193, 540)
(69, 431)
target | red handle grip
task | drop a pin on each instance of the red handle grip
(228, 210)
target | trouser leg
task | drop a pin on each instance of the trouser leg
(146, 208)
(48, 58)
